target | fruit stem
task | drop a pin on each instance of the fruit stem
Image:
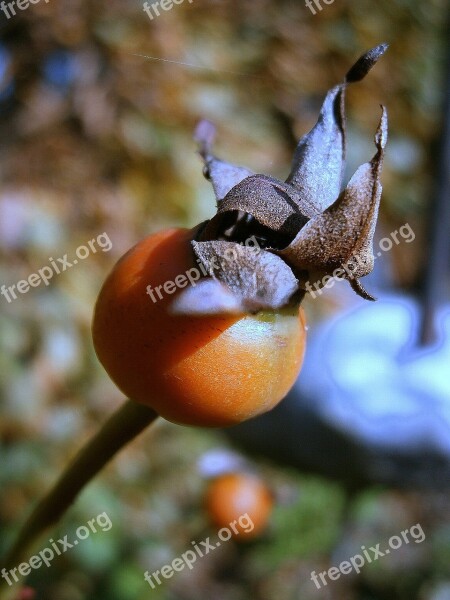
(128, 421)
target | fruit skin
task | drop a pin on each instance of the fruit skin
(214, 370)
(235, 494)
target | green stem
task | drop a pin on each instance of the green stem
(121, 427)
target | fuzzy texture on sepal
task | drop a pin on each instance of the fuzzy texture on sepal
(306, 227)
(343, 234)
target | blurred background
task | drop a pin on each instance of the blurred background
(95, 138)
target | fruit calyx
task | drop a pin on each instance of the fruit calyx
(270, 238)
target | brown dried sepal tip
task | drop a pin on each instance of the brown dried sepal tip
(305, 227)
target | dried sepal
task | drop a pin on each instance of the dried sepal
(259, 279)
(272, 203)
(223, 176)
(343, 234)
(358, 288)
(365, 62)
(318, 164)
(306, 226)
